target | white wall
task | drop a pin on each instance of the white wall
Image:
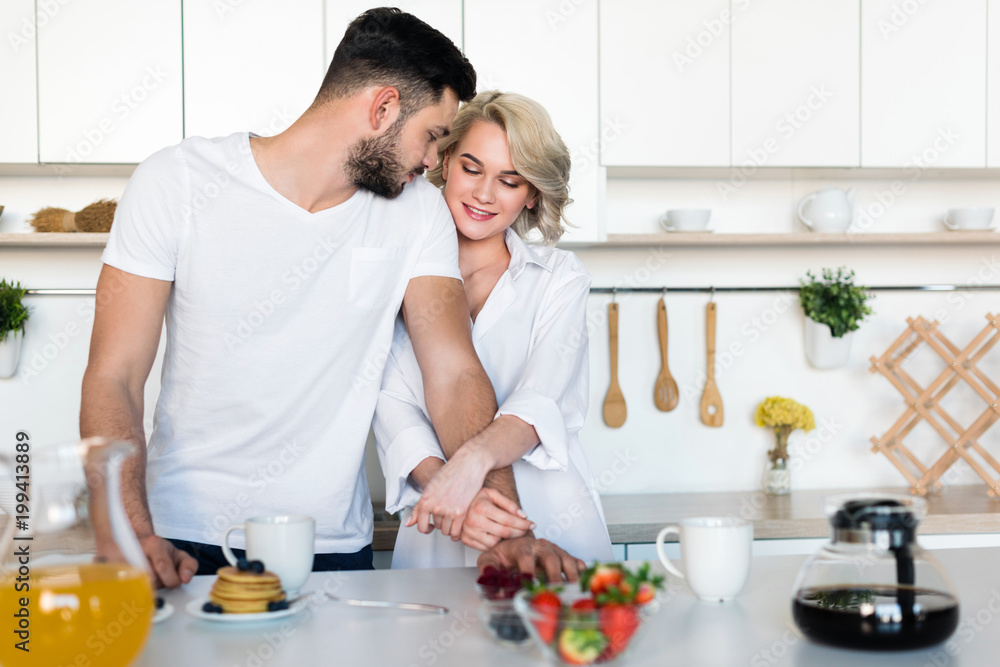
(653, 451)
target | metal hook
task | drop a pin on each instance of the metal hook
(614, 295)
(711, 296)
(664, 296)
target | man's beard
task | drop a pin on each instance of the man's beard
(373, 163)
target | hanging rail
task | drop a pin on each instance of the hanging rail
(655, 290)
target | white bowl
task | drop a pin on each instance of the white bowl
(686, 220)
(964, 219)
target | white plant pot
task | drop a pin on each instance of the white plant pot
(10, 353)
(823, 350)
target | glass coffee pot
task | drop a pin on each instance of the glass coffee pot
(872, 586)
(73, 577)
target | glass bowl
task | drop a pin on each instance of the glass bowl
(599, 637)
(496, 611)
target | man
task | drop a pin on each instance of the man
(280, 264)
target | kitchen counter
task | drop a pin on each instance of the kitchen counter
(754, 630)
(638, 518)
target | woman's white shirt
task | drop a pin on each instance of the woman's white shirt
(531, 336)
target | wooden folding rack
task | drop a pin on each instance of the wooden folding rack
(924, 404)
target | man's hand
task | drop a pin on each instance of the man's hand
(532, 556)
(492, 517)
(450, 492)
(170, 566)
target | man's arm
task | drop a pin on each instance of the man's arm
(127, 323)
(458, 393)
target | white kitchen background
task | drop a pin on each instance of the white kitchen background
(741, 106)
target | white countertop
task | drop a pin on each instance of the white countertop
(755, 630)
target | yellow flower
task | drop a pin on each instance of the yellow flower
(776, 411)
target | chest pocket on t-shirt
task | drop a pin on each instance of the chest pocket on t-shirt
(375, 272)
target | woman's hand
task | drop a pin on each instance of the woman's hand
(493, 517)
(447, 497)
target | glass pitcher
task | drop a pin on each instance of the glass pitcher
(872, 586)
(74, 584)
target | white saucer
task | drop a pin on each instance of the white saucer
(665, 226)
(195, 609)
(163, 613)
(964, 229)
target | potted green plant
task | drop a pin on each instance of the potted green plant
(834, 307)
(13, 315)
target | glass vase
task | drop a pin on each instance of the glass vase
(777, 475)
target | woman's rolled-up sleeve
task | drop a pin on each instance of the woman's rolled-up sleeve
(404, 437)
(552, 392)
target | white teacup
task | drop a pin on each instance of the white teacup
(969, 218)
(686, 219)
(716, 555)
(283, 542)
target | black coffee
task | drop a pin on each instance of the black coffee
(880, 618)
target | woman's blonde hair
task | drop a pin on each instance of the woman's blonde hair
(536, 149)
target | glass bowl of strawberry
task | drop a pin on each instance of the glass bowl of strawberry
(595, 623)
(496, 590)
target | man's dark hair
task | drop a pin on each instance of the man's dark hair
(388, 47)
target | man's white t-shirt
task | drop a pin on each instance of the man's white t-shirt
(279, 325)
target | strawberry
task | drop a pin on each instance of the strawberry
(618, 622)
(584, 605)
(645, 593)
(547, 605)
(581, 647)
(601, 577)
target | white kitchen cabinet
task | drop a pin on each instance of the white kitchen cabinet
(548, 52)
(445, 15)
(250, 66)
(796, 84)
(18, 113)
(993, 85)
(109, 79)
(923, 83)
(665, 82)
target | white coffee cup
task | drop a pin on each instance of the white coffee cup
(715, 552)
(686, 219)
(969, 218)
(283, 542)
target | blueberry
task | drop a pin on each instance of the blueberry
(159, 602)
(277, 605)
(257, 566)
(242, 565)
(210, 608)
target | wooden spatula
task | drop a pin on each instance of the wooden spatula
(614, 402)
(665, 393)
(711, 400)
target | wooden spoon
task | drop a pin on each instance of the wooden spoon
(614, 402)
(665, 393)
(711, 400)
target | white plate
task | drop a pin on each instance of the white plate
(164, 612)
(665, 226)
(195, 609)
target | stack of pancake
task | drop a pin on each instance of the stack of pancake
(245, 592)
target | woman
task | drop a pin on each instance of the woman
(504, 173)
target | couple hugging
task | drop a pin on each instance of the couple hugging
(417, 309)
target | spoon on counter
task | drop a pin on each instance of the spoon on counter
(409, 606)
(711, 399)
(614, 402)
(665, 393)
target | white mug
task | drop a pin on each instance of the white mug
(283, 542)
(716, 555)
(686, 219)
(969, 218)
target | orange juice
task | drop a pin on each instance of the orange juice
(82, 615)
